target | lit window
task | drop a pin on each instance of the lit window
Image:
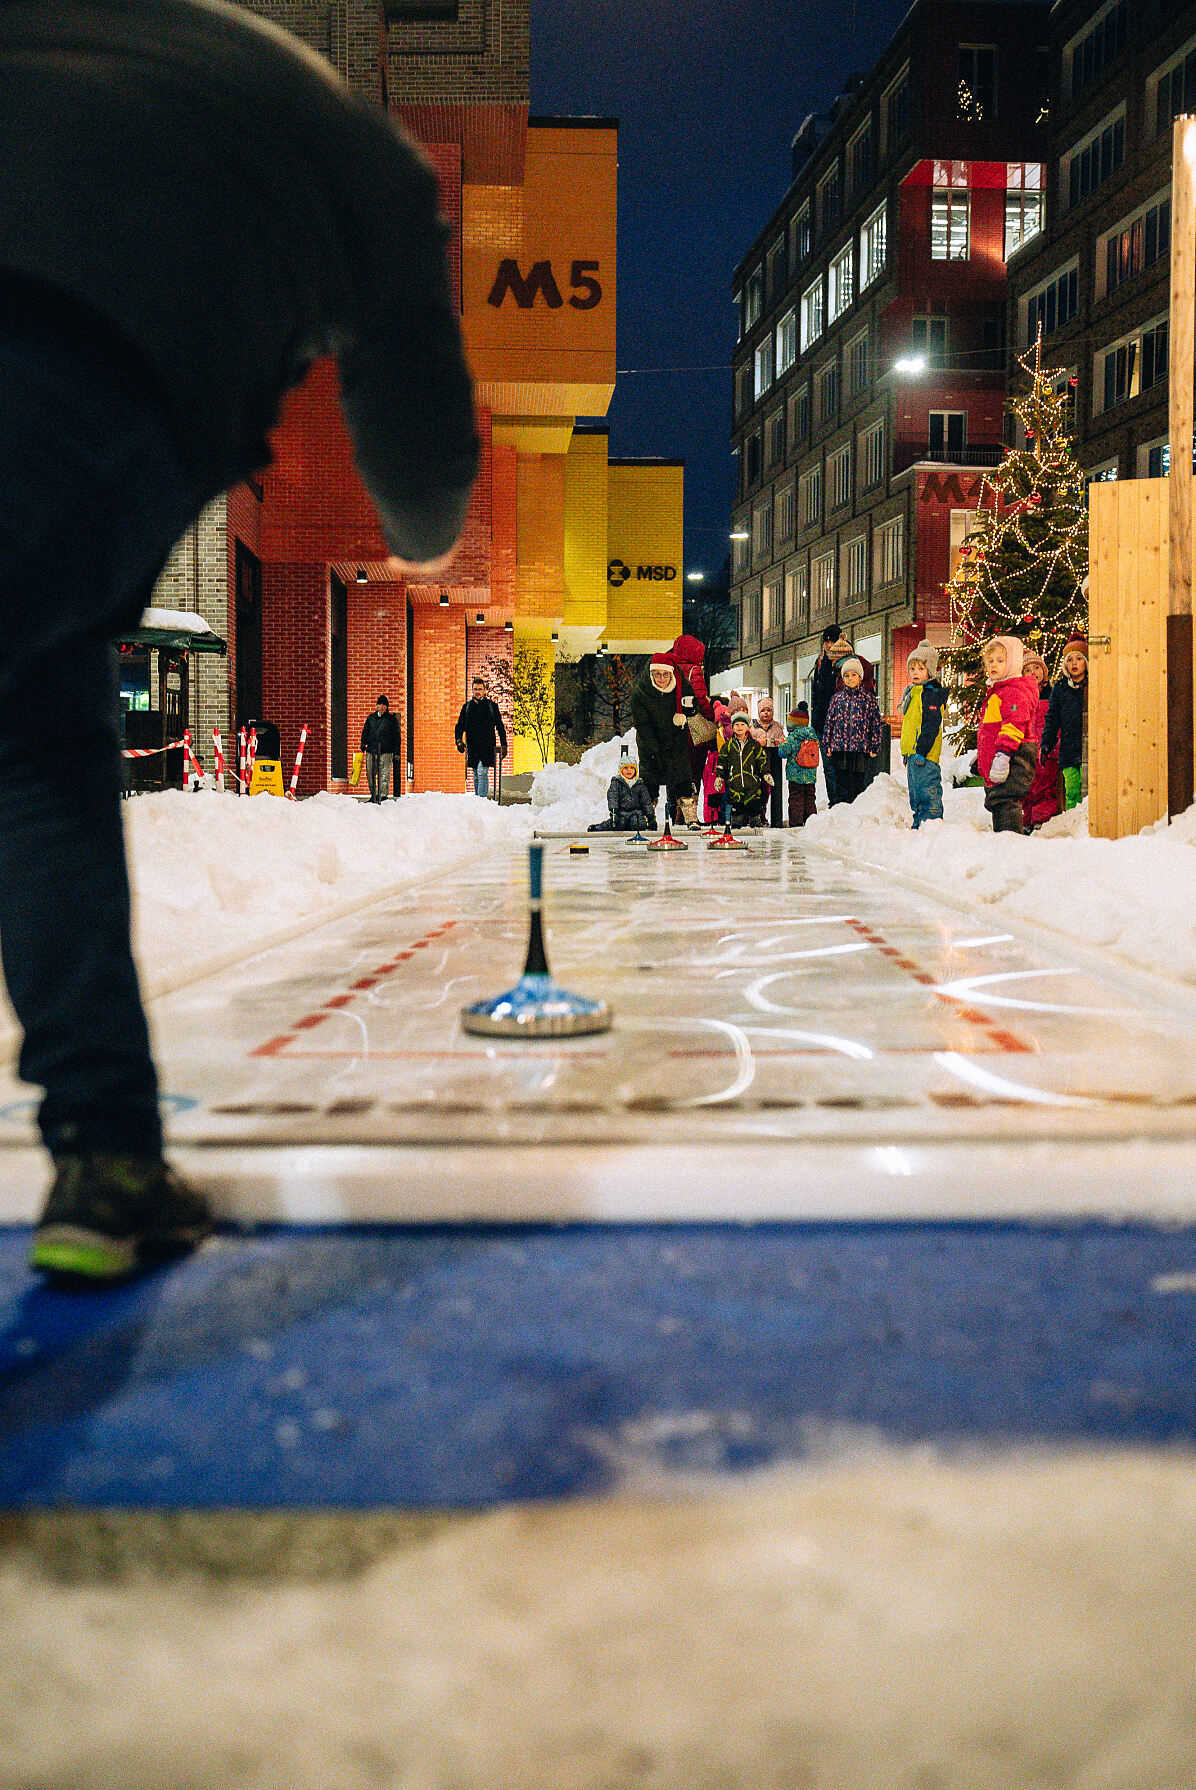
(889, 562)
(872, 247)
(855, 568)
(753, 299)
(838, 475)
(786, 342)
(797, 596)
(872, 456)
(842, 284)
(1127, 368)
(812, 321)
(822, 577)
(811, 497)
(950, 225)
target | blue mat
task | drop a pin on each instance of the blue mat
(454, 1367)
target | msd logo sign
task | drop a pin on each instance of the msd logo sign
(618, 573)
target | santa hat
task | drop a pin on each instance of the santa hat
(663, 662)
(927, 655)
(1077, 644)
(1013, 652)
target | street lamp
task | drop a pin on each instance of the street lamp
(740, 534)
(910, 363)
(695, 577)
(362, 577)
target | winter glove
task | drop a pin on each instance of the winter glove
(678, 720)
(460, 745)
(999, 769)
(768, 780)
(719, 786)
(687, 703)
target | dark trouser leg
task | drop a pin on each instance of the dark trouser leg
(777, 796)
(802, 803)
(64, 909)
(1004, 800)
(828, 771)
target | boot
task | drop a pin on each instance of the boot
(107, 1216)
(689, 812)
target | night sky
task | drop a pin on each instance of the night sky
(708, 99)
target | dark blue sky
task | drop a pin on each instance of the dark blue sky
(708, 99)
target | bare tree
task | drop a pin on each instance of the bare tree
(614, 680)
(499, 684)
(533, 701)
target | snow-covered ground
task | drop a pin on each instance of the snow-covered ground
(894, 1623)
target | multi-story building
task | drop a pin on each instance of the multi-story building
(1096, 282)
(869, 376)
(561, 551)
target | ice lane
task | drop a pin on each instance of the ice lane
(762, 999)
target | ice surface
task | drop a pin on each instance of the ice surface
(878, 1624)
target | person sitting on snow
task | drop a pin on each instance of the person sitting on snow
(629, 803)
(922, 734)
(1067, 720)
(1006, 756)
(852, 735)
(742, 772)
(663, 737)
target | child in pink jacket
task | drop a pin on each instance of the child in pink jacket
(1006, 754)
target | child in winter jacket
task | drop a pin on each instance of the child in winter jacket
(852, 734)
(768, 732)
(1042, 798)
(629, 803)
(922, 734)
(1006, 757)
(800, 752)
(1067, 720)
(743, 774)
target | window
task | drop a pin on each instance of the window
(811, 497)
(855, 568)
(799, 238)
(961, 526)
(928, 337)
(762, 531)
(774, 611)
(894, 112)
(740, 550)
(799, 414)
(838, 478)
(752, 460)
(399, 11)
(859, 160)
(1049, 306)
(750, 615)
(872, 457)
(763, 366)
(786, 342)
(744, 389)
(753, 299)
(1088, 55)
(950, 224)
(872, 247)
(822, 580)
(774, 439)
(1132, 247)
(1093, 160)
(778, 270)
(828, 392)
(1174, 90)
(1131, 366)
(797, 596)
(828, 201)
(1154, 458)
(976, 95)
(812, 321)
(786, 513)
(1023, 205)
(948, 433)
(857, 364)
(842, 283)
(889, 560)
(1105, 473)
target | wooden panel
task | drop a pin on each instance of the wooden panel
(1127, 597)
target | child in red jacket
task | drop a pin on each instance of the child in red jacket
(1042, 798)
(1006, 754)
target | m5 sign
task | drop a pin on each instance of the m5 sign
(540, 282)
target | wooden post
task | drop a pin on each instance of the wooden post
(1180, 383)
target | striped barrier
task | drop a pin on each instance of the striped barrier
(303, 732)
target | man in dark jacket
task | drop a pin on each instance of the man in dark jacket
(381, 741)
(480, 734)
(192, 209)
(822, 688)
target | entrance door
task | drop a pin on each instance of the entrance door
(338, 696)
(248, 570)
(172, 700)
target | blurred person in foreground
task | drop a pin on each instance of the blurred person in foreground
(193, 208)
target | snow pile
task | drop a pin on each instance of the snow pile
(1135, 897)
(891, 1623)
(567, 798)
(212, 872)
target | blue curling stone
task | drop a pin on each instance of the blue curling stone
(537, 1007)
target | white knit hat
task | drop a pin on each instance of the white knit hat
(927, 655)
(851, 664)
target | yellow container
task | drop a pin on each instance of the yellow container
(355, 773)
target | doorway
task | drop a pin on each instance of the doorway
(173, 703)
(338, 695)
(248, 573)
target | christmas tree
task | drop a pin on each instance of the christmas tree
(1022, 566)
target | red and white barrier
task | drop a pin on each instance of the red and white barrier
(218, 749)
(196, 767)
(250, 756)
(303, 732)
(150, 751)
(241, 777)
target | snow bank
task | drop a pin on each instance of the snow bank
(1136, 897)
(899, 1622)
(569, 797)
(212, 871)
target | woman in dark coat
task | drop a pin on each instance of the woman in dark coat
(661, 733)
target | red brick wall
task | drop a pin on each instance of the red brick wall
(377, 659)
(440, 689)
(940, 490)
(295, 665)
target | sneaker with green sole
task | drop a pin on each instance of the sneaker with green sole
(108, 1216)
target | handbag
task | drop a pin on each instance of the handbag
(701, 731)
(355, 774)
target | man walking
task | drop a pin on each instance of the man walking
(478, 732)
(254, 216)
(381, 741)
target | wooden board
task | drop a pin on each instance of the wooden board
(1127, 701)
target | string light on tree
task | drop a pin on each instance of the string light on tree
(1022, 566)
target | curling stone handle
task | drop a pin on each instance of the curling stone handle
(536, 858)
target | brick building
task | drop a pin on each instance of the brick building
(870, 373)
(290, 568)
(1097, 280)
